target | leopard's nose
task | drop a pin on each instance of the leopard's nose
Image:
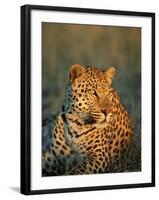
(105, 107)
(104, 112)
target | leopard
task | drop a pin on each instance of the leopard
(92, 128)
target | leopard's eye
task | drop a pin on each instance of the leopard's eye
(90, 91)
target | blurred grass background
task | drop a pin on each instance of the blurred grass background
(101, 46)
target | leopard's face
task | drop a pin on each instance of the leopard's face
(89, 93)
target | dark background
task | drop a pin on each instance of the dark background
(101, 46)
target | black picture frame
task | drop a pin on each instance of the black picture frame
(26, 98)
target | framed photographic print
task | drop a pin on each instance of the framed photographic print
(87, 99)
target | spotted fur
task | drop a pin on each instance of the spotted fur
(92, 128)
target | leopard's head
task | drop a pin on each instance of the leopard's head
(88, 93)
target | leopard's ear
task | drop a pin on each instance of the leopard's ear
(110, 73)
(76, 71)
